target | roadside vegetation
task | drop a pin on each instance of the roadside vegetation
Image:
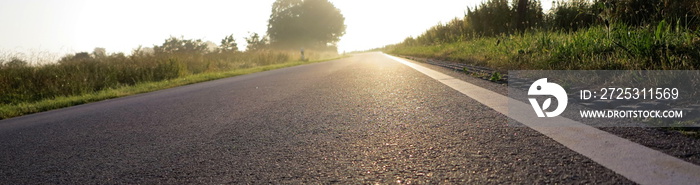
(574, 34)
(31, 86)
(86, 77)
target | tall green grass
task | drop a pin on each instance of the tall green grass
(18, 109)
(619, 46)
(84, 77)
(574, 34)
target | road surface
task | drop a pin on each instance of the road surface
(362, 119)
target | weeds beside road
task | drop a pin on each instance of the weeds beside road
(84, 78)
(620, 48)
(572, 35)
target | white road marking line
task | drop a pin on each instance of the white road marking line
(631, 160)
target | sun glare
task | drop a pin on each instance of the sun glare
(120, 26)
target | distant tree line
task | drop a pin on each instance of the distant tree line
(174, 45)
(499, 17)
(293, 25)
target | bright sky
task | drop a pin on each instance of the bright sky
(68, 26)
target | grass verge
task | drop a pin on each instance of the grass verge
(14, 110)
(620, 47)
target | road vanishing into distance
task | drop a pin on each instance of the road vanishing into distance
(362, 119)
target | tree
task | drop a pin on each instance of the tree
(573, 15)
(295, 24)
(77, 58)
(492, 17)
(645, 12)
(255, 42)
(99, 52)
(521, 15)
(228, 44)
(181, 45)
(15, 62)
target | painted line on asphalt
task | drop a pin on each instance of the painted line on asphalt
(631, 160)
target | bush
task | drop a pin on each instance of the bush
(491, 18)
(649, 12)
(573, 15)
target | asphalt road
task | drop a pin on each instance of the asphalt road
(362, 119)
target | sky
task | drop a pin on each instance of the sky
(68, 26)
